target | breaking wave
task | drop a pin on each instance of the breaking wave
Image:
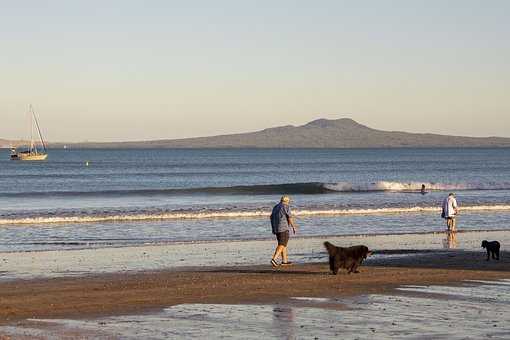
(311, 188)
(176, 215)
(414, 186)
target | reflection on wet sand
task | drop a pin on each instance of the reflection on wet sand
(284, 322)
(450, 241)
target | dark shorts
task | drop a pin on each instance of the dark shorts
(283, 238)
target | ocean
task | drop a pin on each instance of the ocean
(112, 198)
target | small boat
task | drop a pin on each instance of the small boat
(32, 154)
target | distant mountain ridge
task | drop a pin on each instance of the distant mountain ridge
(6, 143)
(320, 133)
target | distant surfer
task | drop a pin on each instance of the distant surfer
(423, 192)
(281, 220)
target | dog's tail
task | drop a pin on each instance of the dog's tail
(332, 250)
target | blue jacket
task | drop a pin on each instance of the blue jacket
(279, 218)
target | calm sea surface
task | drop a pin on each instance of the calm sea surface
(129, 197)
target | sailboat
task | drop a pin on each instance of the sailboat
(32, 154)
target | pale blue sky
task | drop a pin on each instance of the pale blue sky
(131, 70)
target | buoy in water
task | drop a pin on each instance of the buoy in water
(87, 163)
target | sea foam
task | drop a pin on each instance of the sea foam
(232, 214)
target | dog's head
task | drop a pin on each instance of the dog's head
(332, 250)
(484, 243)
(366, 252)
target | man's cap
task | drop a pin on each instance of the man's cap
(451, 194)
(285, 199)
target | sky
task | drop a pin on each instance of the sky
(138, 70)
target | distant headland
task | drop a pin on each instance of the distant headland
(320, 133)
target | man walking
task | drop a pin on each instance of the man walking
(281, 220)
(450, 211)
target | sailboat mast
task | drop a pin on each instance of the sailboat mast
(31, 130)
(38, 129)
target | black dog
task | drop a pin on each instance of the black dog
(349, 258)
(492, 248)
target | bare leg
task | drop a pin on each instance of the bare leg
(279, 252)
(449, 240)
(451, 234)
(450, 224)
(285, 256)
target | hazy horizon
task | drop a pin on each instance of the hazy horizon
(119, 71)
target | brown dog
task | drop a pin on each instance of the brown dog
(349, 258)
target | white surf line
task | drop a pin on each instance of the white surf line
(312, 299)
(493, 283)
(378, 211)
(236, 214)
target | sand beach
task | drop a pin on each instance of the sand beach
(121, 293)
(43, 304)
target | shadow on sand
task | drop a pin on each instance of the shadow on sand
(444, 259)
(289, 270)
(454, 259)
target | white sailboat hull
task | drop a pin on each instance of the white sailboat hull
(29, 157)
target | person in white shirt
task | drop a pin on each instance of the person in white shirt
(450, 211)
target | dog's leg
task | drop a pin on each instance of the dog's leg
(352, 268)
(332, 263)
(336, 264)
(488, 254)
(357, 265)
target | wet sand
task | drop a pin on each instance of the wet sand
(98, 261)
(141, 292)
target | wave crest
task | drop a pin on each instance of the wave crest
(310, 188)
(174, 215)
(414, 186)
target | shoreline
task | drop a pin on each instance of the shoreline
(97, 295)
(258, 239)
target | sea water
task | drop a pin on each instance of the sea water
(103, 197)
